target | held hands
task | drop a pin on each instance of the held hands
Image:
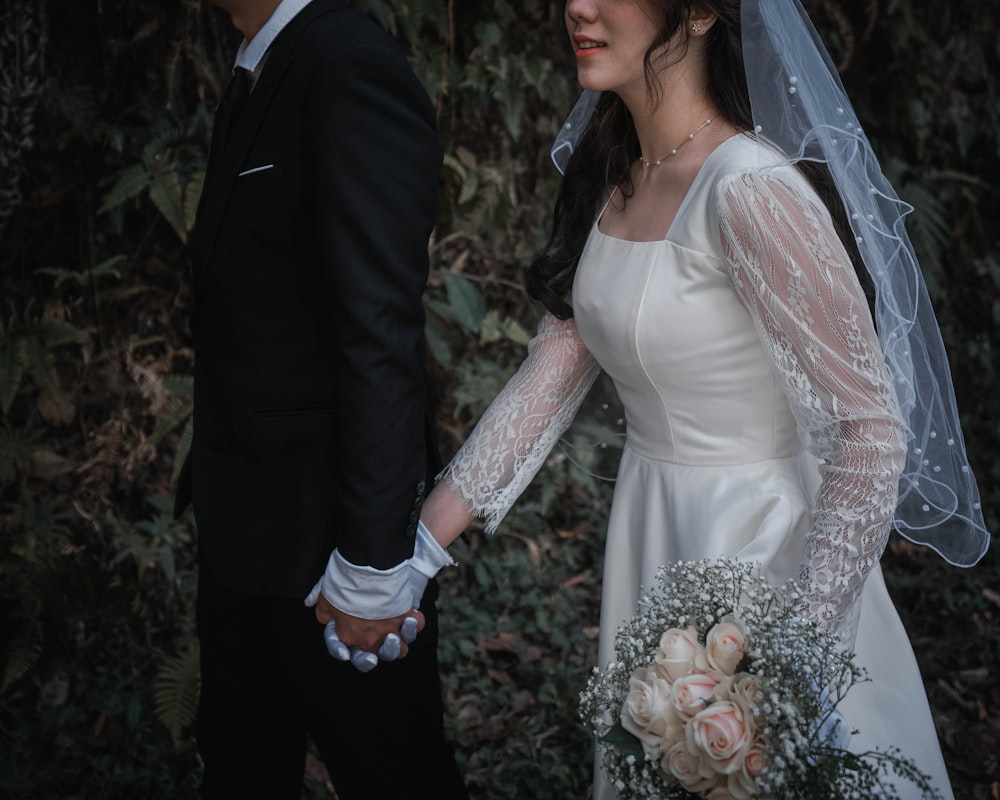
(365, 610)
(365, 635)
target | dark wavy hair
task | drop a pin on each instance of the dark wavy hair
(604, 155)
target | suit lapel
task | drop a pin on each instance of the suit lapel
(225, 158)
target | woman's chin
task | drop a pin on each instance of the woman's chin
(590, 82)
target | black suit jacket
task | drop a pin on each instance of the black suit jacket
(313, 426)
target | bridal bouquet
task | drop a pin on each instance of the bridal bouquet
(719, 690)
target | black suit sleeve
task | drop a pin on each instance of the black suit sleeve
(377, 156)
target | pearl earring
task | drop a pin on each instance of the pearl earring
(696, 27)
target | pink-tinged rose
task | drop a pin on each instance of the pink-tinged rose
(722, 688)
(743, 782)
(724, 644)
(694, 693)
(648, 712)
(677, 653)
(688, 768)
(746, 691)
(720, 735)
(756, 759)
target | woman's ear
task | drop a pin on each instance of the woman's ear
(701, 21)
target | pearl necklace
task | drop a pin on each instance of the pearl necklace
(673, 152)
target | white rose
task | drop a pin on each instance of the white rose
(688, 768)
(742, 782)
(720, 734)
(724, 644)
(648, 711)
(693, 693)
(746, 691)
(677, 653)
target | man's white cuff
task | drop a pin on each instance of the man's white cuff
(366, 592)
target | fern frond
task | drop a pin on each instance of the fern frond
(22, 654)
(131, 182)
(16, 451)
(167, 138)
(47, 516)
(178, 685)
(13, 356)
(167, 195)
(192, 195)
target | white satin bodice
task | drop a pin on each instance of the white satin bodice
(696, 384)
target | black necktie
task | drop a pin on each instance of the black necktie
(236, 99)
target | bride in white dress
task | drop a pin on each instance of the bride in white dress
(698, 266)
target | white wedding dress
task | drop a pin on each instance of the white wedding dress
(760, 421)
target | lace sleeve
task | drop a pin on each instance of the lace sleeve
(509, 444)
(796, 279)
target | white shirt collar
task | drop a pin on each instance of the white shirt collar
(250, 55)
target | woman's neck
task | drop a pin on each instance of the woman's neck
(679, 118)
(682, 108)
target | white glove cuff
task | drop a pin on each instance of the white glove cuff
(428, 555)
(366, 592)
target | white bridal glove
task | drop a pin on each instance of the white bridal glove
(370, 593)
(429, 558)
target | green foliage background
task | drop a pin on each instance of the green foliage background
(105, 113)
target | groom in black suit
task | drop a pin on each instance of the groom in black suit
(313, 427)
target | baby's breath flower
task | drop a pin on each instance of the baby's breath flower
(802, 676)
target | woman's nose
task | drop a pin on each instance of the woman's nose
(581, 10)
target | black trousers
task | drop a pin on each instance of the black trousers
(268, 683)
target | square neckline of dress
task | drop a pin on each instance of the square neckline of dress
(699, 175)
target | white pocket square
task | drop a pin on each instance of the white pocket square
(255, 169)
